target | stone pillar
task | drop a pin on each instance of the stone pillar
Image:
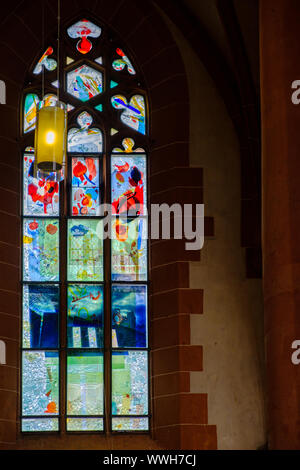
(9, 272)
(280, 66)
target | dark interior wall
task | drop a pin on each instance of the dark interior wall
(151, 44)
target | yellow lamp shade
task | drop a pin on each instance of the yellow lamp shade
(50, 135)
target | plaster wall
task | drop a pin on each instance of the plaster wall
(231, 328)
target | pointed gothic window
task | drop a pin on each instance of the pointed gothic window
(85, 320)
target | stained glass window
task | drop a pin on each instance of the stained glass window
(84, 82)
(30, 103)
(128, 185)
(85, 282)
(45, 61)
(85, 316)
(133, 112)
(41, 195)
(84, 29)
(85, 139)
(123, 62)
(129, 316)
(85, 186)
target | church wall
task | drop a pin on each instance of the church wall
(231, 326)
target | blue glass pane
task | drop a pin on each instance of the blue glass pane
(85, 316)
(129, 316)
(40, 383)
(39, 424)
(40, 316)
(41, 250)
(130, 383)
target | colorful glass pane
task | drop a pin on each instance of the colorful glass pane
(41, 250)
(128, 184)
(123, 62)
(40, 383)
(85, 186)
(50, 99)
(85, 139)
(39, 424)
(130, 424)
(84, 82)
(129, 250)
(40, 316)
(85, 250)
(85, 316)
(30, 104)
(41, 196)
(85, 383)
(129, 316)
(128, 145)
(134, 112)
(45, 61)
(84, 29)
(130, 383)
(85, 424)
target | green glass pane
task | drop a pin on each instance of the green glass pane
(30, 104)
(85, 250)
(40, 383)
(85, 383)
(130, 424)
(129, 250)
(41, 249)
(85, 424)
(130, 383)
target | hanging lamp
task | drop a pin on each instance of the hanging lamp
(51, 127)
